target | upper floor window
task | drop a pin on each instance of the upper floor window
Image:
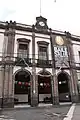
(79, 55)
(23, 48)
(43, 53)
(78, 76)
(42, 50)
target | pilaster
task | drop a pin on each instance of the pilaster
(1, 84)
(7, 72)
(34, 89)
(55, 96)
(73, 80)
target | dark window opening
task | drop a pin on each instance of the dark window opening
(79, 57)
(43, 53)
(23, 51)
(22, 82)
(23, 46)
(44, 85)
(63, 83)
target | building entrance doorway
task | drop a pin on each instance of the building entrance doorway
(44, 89)
(63, 87)
(22, 87)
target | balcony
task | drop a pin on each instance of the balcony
(24, 62)
(44, 63)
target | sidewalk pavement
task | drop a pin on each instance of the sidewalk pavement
(42, 112)
(71, 112)
(42, 105)
(76, 113)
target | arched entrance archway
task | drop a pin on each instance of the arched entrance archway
(63, 87)
(44, 87)
(22, 87)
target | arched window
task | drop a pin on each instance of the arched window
(22, 82)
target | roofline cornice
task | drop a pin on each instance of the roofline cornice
(28, 28)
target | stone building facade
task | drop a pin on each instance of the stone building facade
(37, 64)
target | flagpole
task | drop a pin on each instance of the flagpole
(40, 7)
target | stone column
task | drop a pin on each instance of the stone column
(73, 80)
(34, 87)
(55, 96)
(7, 94)
(2, 68)
(1, 85)
(11, 87)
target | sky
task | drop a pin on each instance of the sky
(61, 15)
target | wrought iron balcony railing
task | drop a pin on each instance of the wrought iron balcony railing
(23, 62)
(44, 63)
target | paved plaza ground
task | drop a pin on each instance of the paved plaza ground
(39, 113)
(76, 113)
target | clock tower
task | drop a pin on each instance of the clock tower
(41, 23)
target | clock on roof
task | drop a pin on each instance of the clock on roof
(41, 23)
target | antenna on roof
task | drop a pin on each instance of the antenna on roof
(40, 7)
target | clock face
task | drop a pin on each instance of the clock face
(59, 40)
(41, 23)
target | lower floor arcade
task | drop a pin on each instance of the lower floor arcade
(45, 91)
(31, 87)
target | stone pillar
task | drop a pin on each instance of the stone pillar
(55, 96)
(11, 87)
(34, 87)
(7, 72)
(73, 80)
(8, 95)
(1, 85)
